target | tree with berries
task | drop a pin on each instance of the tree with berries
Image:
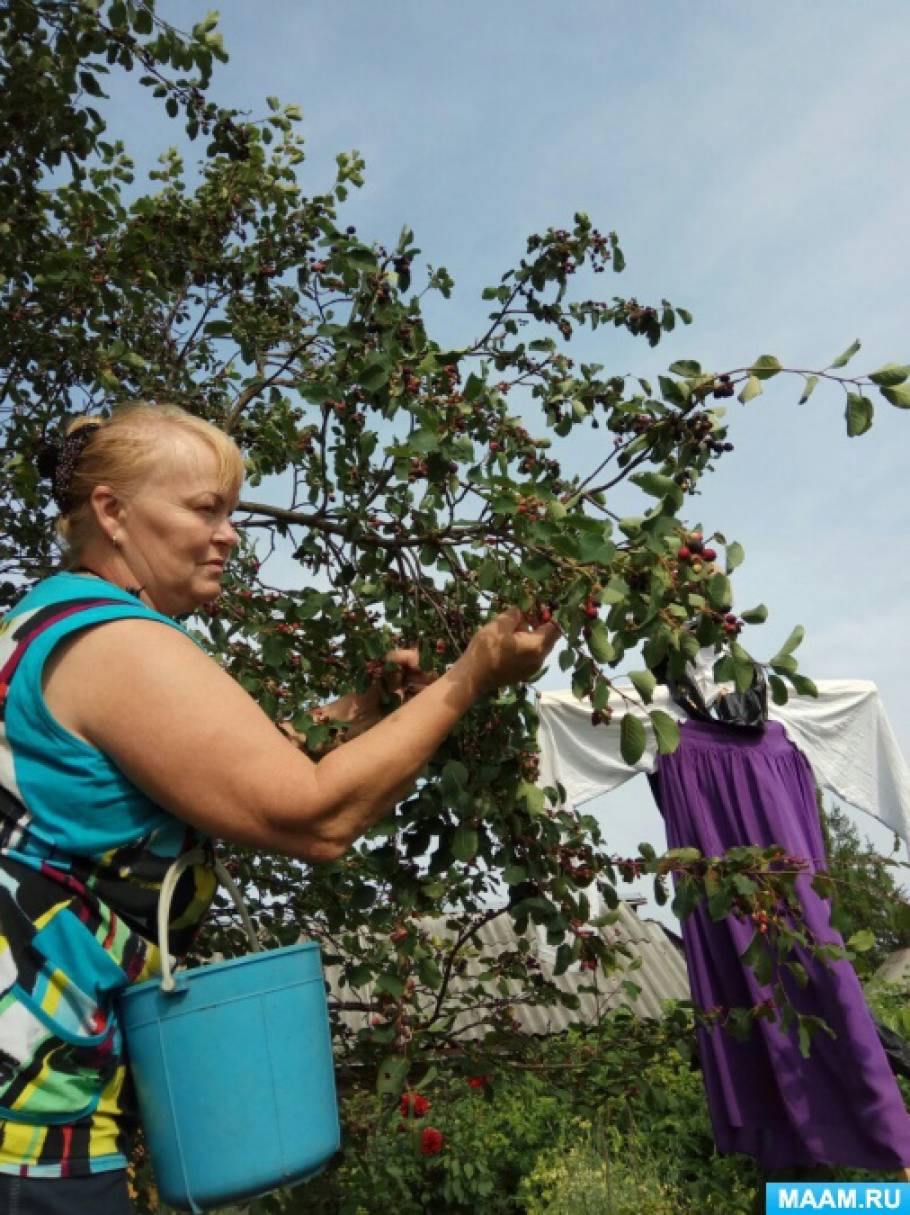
(411, 489)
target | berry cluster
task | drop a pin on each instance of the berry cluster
(724, 387)
(694, 430)
(696, 551)
(732, 624)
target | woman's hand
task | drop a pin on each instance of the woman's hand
(408, 679)
(510, 649)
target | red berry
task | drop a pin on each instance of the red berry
(709, 554)
(683, 554)
(494, 446)
(696, 537)
(440, 647)
(545, 616)
(730, 618)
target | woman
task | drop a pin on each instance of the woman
(123, 746)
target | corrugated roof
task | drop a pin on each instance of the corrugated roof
(896, 967)
(661, 976)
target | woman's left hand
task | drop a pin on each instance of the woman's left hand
(409, 678)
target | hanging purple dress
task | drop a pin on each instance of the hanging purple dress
(725, 787)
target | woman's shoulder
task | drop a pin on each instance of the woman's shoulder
(64, 604)
(69, 587)
(68, 590)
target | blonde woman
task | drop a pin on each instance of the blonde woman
(122, 745)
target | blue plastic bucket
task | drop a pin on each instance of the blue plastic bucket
(233, 1070)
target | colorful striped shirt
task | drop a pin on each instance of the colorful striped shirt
(83, 852)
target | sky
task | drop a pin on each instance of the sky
(752, 159)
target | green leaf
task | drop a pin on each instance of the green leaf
(765, 367)
(890, 375)
(533, 798)
(756, 615)
(811, 381)
(899, 396)
(792, 642)
(803, 685)
(724, 669)
(862, 941)
(736, 554)
(675, 391)
(720, 593)
(644, 684)
(424, 441)
(390, 1078)
(391, 983)
(685, 367)
(374, 377)
(595, 550)
(758, 959)
(858, 413)
(465, 843)
(455, 773)
(752, 389)
(429, 973)
(805, 1039)
(632, 738)
(843, 359)
(655, 484)
(799, 972)
(599, 643)
(275, 652)
(666, 732)
(743, 673)
(779, 693)
(514, 875)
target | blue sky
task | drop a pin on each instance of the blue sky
(752, 159)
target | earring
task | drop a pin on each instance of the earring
(115, 540)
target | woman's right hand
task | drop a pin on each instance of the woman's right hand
(510, 649)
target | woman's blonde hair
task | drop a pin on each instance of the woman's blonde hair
(122, 452)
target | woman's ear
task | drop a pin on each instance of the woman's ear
(107, 508)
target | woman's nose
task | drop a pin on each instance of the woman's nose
(226, 533)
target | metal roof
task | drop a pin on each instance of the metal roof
(661, 975)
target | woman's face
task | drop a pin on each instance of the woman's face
(175, 531)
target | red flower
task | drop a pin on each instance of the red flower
(413, 1105)
(430, 1141)
(478, 1081)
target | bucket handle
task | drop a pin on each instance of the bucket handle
(196, 856)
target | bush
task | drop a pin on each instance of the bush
(614, 1114)
(608, 1173)
(580, 1177)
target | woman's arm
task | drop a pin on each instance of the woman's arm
(360, 711)
(193, 740)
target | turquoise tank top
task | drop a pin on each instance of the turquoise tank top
(83, 852)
